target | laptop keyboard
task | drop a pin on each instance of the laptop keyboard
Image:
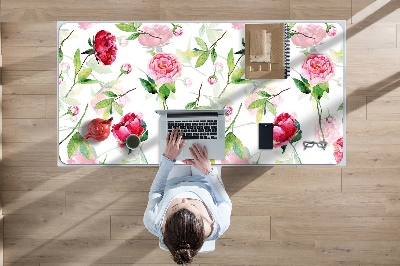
(196, 129)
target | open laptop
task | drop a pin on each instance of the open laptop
(204, 127)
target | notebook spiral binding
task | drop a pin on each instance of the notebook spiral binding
(287, 50)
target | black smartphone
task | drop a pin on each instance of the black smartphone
(265, 136)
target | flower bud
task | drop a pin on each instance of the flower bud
(177, 30)
(126, 68)
(188, 82)
(212, 79)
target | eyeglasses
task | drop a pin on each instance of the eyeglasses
(310, 144)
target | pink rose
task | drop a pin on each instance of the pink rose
(101, 96)
(78, 158)
(229, 112)
(308, 35)
(178, 31)
(64, 66)
(126, 68)
(232, 158)
(331, 31)
(155, 35)
(338, 150)
(164, 68)
(237, 25)
(84, 25)
(74, 110)
(123, 41)
(187, 82)
(318, 68)
(130, 123)
(105, 47)
(212, 79)
(284, 129)
(332, 127)
(218, 66)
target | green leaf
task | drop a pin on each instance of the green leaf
(74, 144)
(89, 51)
(90, 42)
(128, 27)
(145, 136)
(165, 91)
(240, 51)
(324, 86)
(238, 148)
(259, 115)
(229, 142)
(181, 57)
(257, 103)
(150, 80)
(85, 149)
(137, 25)
(318, 91)
(171, 86)
(243, 42)
(230, 62)
(271, 108)
(89, 81)
(211, 36)
(201, 43)
(103, 103)
(201, 31)
(283, 148)
(297, 137)
(302, 86)
(242, 81)
(263, 94)
(107, 111)
(77, 61)
(213, 55)
(304, 80)
(237, 74)
(202, 59)
(118, 108)
(148, 86)
(190, 105)
(60, 55)
(340, 107)
(192, 53)
(110, 94)
(84, 74)
(133, 36)
(98, 68)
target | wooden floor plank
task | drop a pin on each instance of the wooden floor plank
(393, 204)
(28, 34)
(372, 131)
(381, 180)
(29, 130)
(33, 202)
(30, 154)
(356, 108)
(383, 108)
(24, 106)
(206, 10)
(52, 226)
(309, 10)
(29, 82)
(364, 252)
(383, 155)
(335, 228)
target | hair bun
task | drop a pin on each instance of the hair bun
(184, 245)
(183, 255)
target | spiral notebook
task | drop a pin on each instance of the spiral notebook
(267, 51)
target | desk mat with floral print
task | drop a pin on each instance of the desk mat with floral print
(120, 73)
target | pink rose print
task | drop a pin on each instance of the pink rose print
(74, 110)
(126, 68)
(332, 128)
(78, 158)
(212, 79)
(232, 158)
(229, 112)
(64, 66)
(85, 26)
(187, 82)
(123, 41)
(318, 68)
(331, 31)
(155, 35)
(218, 66)
(130, 123)
(308, 35)
(237, 25)
(164, 68)
(271, 91)
(284, 129)
(177, 31)
(101, 96)
(105, 47)
(338, 150)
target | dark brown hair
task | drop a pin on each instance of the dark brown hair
(184, 235)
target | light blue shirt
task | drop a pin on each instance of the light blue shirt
(209, 188)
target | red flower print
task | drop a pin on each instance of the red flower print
(284, 129)
(105, 47)
(129, 124)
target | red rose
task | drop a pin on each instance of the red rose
(105, 47)
(338, 150)
(284, 129)
(129, 124)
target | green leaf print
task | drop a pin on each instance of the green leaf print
(213, 55)
(302, 86)
(60, 55)
(238, 148)
(128, 27)
(230, 62)
(165, 91)
(148, 86)
(257, 103)
(117, 108)
(145, 136)
(74, 144)
(103, 103)
(171, 86)
(77, 61)
(237, 74)
(84, 74)
(201, 43)
(85, 149)
(190, 105)
(229, 141)
(271, 108)
(110, 94)
(133, 36)
(263, 94)
(202, 59)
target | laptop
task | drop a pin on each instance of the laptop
(206, 127)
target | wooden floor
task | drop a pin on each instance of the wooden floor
(281, 215)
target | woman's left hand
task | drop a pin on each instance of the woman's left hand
(174, 144)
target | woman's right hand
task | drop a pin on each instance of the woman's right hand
(200, 159)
